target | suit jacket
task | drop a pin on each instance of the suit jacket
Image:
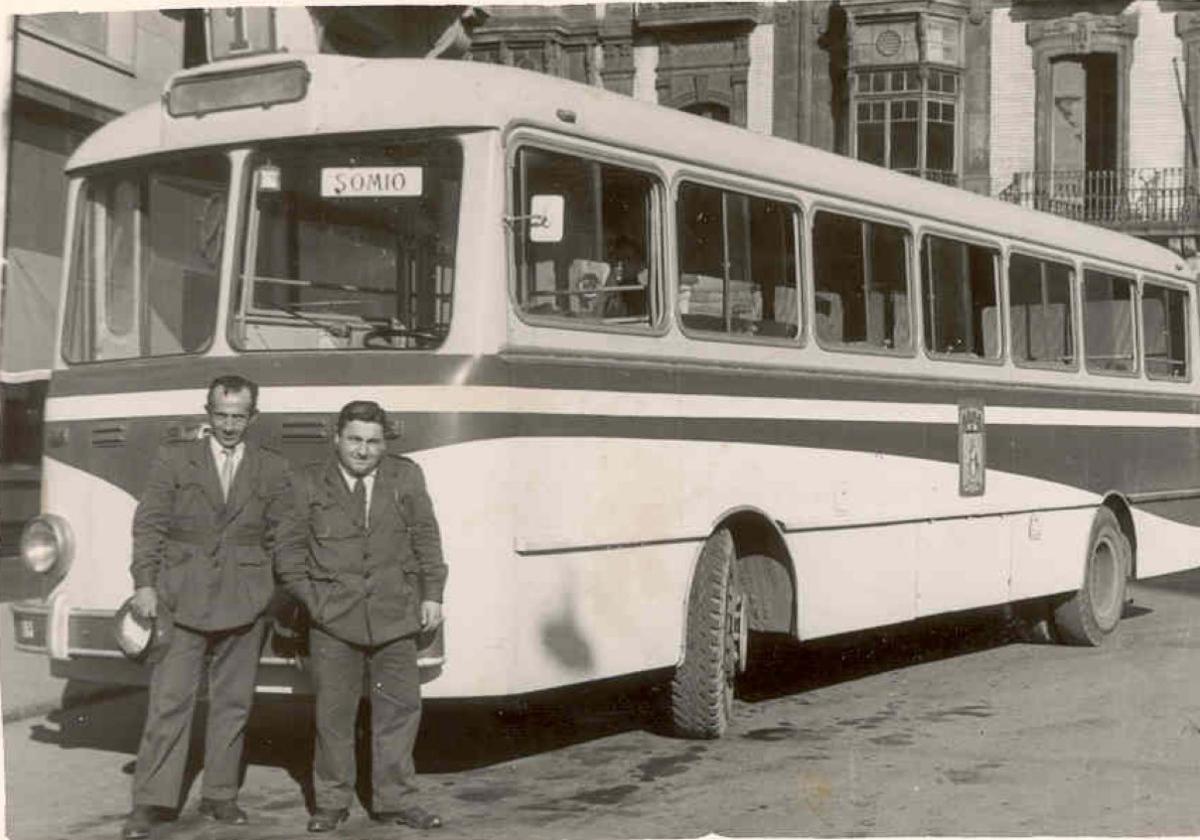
(365, 584)
(211, 561)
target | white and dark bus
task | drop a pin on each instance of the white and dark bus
(672, 383)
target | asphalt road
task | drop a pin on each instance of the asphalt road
(949, 727)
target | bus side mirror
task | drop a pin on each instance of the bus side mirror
(546, 218)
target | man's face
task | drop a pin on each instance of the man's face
(360, 446)
(229, 414)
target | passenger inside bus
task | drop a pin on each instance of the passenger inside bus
(626, 273)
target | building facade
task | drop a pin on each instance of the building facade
(1086, 108)
(71, 74)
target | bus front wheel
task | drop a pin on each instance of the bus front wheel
(715, 649)
(1094, 610)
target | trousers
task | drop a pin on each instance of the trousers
(339, 669)
(230, 659)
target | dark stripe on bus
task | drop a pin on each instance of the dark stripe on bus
(624, 374)
(1096, 459)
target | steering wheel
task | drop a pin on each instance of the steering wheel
(378, 338)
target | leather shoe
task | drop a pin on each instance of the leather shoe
(413, 817)
(140, 821)
(327, 819)
(223, 811)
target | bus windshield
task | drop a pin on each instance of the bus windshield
(349, 246)
(145, 267)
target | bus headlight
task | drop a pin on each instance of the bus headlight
(46, 544)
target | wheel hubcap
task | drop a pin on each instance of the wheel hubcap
(1105, 572)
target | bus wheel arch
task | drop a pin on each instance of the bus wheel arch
(733, 591)
(1092, 613)
(765, 571)
(1123, 510)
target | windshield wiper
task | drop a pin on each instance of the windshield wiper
(336, 329)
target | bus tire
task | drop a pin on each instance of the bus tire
(1094, 610)
(703, 685)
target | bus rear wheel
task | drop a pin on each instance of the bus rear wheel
(1094, 610)
(715, 651)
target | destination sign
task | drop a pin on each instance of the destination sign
(370, 181)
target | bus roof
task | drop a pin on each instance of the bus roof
(348, 94)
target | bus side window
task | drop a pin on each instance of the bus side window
(602, 271)
(1040, 313)
(1165, 332)
(737, 264)
(1108, 323)
(860, 278)
(961, 301)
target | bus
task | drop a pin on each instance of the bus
(674, 385)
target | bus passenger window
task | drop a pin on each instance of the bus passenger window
(860, 277)
(961, 307)
(737, 264)
(1040, 313)
(1165, 332)
(1108, 323)
(602, 272)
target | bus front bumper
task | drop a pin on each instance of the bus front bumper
(94, 656)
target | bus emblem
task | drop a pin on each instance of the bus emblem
(972, 448)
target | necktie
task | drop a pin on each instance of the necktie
(360, 500)
(226, 472)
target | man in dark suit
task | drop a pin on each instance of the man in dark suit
(373, 580)
(213, 517)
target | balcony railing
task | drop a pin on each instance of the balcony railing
(1113, 198)
(941, 176)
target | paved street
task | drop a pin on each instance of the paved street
(947, 728)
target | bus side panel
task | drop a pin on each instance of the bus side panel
(522, 620)
(594, 614)
(1048, 551)
(855, 578)
(1163, 545)
(474, 518)
(961, 563)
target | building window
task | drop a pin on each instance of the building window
(904, 124)
(109, 35)
(1082, 65)
(905, 87)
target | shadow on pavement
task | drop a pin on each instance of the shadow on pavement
(781, 666)
(456, 735)
(1186, 582)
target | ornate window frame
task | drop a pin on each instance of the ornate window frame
(1079, 34)
(914, 58)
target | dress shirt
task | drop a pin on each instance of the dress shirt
(219, 455)
(368, 481)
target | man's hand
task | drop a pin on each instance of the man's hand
(145, 602)
(431, 614)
